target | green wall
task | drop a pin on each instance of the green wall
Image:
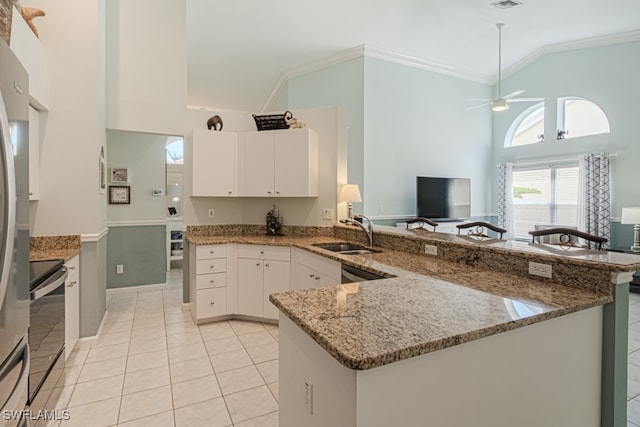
(141, 251)
(606, 75)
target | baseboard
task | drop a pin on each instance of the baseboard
(186, 306)
(86, 342)
(151, 287)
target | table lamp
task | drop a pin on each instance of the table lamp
(350, 193)
(632, 216)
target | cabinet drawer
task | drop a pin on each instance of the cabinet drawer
(211, 302)
(207, 266)
(215, 280)
(211, 251)
(276, 253)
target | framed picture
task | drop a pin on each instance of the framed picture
(119, 175)
(119, 194)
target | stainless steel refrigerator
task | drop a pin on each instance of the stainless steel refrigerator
(14, 238)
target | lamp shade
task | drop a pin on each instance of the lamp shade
(350, 193)
(630, 216)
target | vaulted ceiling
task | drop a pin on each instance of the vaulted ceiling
(239, 49)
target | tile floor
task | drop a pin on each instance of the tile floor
(153, 366)
(633, 364)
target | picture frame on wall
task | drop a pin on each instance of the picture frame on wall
(119, 195)
(119, 175)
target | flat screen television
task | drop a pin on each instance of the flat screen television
(443, 199)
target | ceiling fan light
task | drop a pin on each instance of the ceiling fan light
(500, 105)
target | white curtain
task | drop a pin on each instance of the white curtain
(594, 200)
(505, 198)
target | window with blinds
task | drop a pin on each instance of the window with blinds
(545, 196)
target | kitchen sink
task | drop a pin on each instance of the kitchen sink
(346, 248)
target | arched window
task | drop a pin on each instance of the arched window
(580, 117)
(527, 128)
(174, 150)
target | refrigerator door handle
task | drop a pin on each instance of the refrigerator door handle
(8, 228)
(52, 283)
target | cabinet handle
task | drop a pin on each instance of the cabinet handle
(212, 281)
(261, 252)
(317, 278)
(266, 265)
(70, 285)
(277, 192)
(212, 252)
(257, 264)
(268, 192)
(230, 192)
(212, 303)
(212, 267)
(311, 275)
(73, 267)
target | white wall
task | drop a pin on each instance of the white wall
(74, 129)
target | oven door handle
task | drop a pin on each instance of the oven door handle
(19, 392)
(58, 278)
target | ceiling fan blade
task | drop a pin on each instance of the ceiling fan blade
(478, 106)
(513, 94)
(525, 99)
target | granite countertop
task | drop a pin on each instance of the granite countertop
(426, 303)
(48, 254)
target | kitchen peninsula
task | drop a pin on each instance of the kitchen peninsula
(463, 337)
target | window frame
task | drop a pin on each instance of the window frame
(508, 140)
(553, 166)
(561, 103)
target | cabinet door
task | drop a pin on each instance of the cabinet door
(258, 164)
(211, 302)
(213, 163)
(250, 287)
(72, 305)
(277, 278)
(304, 277)
(296, 163)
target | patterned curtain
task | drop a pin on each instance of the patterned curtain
(596, 195)
(505, 198)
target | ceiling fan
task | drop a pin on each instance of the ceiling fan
(501, 103)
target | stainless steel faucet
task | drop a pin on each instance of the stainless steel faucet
(368, 230)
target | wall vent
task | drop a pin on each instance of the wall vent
(506, 4)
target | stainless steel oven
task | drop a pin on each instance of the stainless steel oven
(46, 328)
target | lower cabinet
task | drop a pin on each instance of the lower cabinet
(72, 305)
(262, 270)
(314, 271)
(209, 294)
(237, 279)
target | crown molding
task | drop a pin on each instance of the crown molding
(626, 37)
(368, 51)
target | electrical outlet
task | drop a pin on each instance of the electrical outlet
(308, 396)
(327, 214)
(119, 269)
(538, 269)
(431, 250)
(212, 213)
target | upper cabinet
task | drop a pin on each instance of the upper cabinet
(282, 163)
(213, 163)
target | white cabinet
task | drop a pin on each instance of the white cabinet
(72, 305)
(280, 163)
(262, 270)
(209, 293)
(213, 158)
(313, 271)
(34, 154)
